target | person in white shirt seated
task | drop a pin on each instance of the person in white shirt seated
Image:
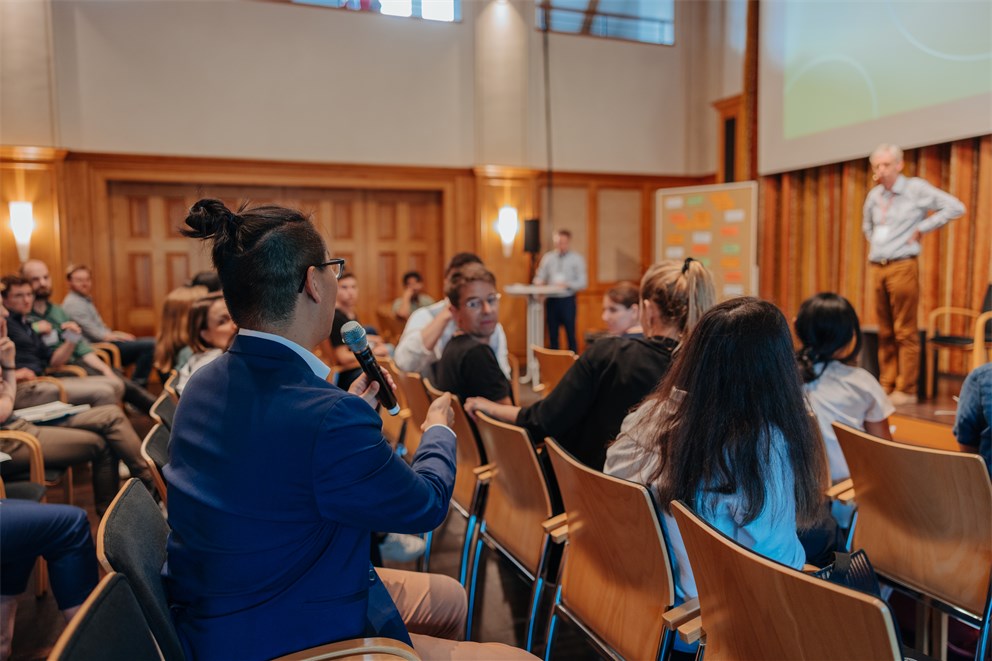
(430, 329)
(211, 331)
(746, 458)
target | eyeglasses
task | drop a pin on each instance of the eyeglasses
(337, 267)
(475, 304)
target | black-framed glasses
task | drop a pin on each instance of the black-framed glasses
(475, 304)
(336, 264)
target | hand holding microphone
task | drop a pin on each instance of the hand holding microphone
(353, 335)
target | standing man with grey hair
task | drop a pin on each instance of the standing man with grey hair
(896, 215)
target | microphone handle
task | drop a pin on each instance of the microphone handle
(371, 368)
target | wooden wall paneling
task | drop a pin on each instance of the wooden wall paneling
(496, 187)
(31, 175)
(811, 238)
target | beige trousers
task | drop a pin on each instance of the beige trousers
(434, 608)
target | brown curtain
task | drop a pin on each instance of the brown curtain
(810, 232)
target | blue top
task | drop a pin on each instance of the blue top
(973, 425)
(275, 481)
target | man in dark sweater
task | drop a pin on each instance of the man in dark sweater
(468, 366)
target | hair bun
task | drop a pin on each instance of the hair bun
(207, 218)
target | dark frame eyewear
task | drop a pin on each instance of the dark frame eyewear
(337, 261)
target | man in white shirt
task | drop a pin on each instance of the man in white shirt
(565, 269)
(431, 328)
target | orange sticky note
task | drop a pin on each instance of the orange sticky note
(678, 218)
(700, 249)
(675, 239)
(730, 262)
(733, 276)
(730, 230)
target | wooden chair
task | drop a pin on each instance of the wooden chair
(552, 365)
(131, 540)
(517, 505)
(164, 410)
(109, 625)
(469, 491)
(33, 486)
(394, 426)
(170, 385)
(110, 353)
(925, 433)
(925, 519)
(390, 327)
(754, 608)
(418, 402)
(155, 452)
(616, 578)
(514, 377)
(976, 341)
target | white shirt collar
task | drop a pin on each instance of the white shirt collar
(320, 370)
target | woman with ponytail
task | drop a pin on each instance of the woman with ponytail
(584, 411)
(828, 328)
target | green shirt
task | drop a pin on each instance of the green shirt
(56, 316)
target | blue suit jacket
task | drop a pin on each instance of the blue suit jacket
(276, 479)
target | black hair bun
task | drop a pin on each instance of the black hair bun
(208, 218)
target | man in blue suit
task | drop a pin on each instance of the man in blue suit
(277, 477)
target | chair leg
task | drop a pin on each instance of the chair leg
(535, 602)
(667, 644)
(466, 548)
(473, 583)
(425, 559)
(552, 624)
(41, 576)
(932, 375)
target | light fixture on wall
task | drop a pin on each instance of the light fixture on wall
(507, 226)
(22, 224)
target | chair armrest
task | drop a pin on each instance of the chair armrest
(484, 473)
(676, 617)
(979, 346)
(36, 460)
(72, 370)
(353, 649)
(839, 488)
(946, 311)
(846, 497)
(113, 353)
(557, 528)
(691, 631)
(63, 397)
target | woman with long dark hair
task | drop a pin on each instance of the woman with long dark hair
(727, 432)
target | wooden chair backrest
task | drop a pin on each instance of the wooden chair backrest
(469, 456)
(514, 377)
(754, 608)
(617, 577)
(552, 363)
(924, 516)
(418, 402)
(390, 326)
(155, 452)
(924, 433)
(170, 385)
(518, 501)
(109, 625)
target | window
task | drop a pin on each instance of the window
(432, 10)
(649, 21)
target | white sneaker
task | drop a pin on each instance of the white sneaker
(899, 398)
(401, 548)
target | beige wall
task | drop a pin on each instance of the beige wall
(233, 78)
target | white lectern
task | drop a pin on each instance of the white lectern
(535, 320)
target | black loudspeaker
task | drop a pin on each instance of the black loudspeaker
(532, 236)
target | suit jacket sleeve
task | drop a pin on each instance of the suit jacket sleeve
(359, 481)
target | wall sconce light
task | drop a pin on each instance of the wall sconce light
(507, 226)
(22, 224)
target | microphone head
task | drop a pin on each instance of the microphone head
(353, 335)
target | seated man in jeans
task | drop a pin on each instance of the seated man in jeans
(78, 304)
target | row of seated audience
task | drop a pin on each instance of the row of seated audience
(701, 402)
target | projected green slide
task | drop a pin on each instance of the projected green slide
(852, 62)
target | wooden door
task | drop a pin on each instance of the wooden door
(381, 234)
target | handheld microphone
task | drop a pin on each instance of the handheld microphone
(353, 335)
